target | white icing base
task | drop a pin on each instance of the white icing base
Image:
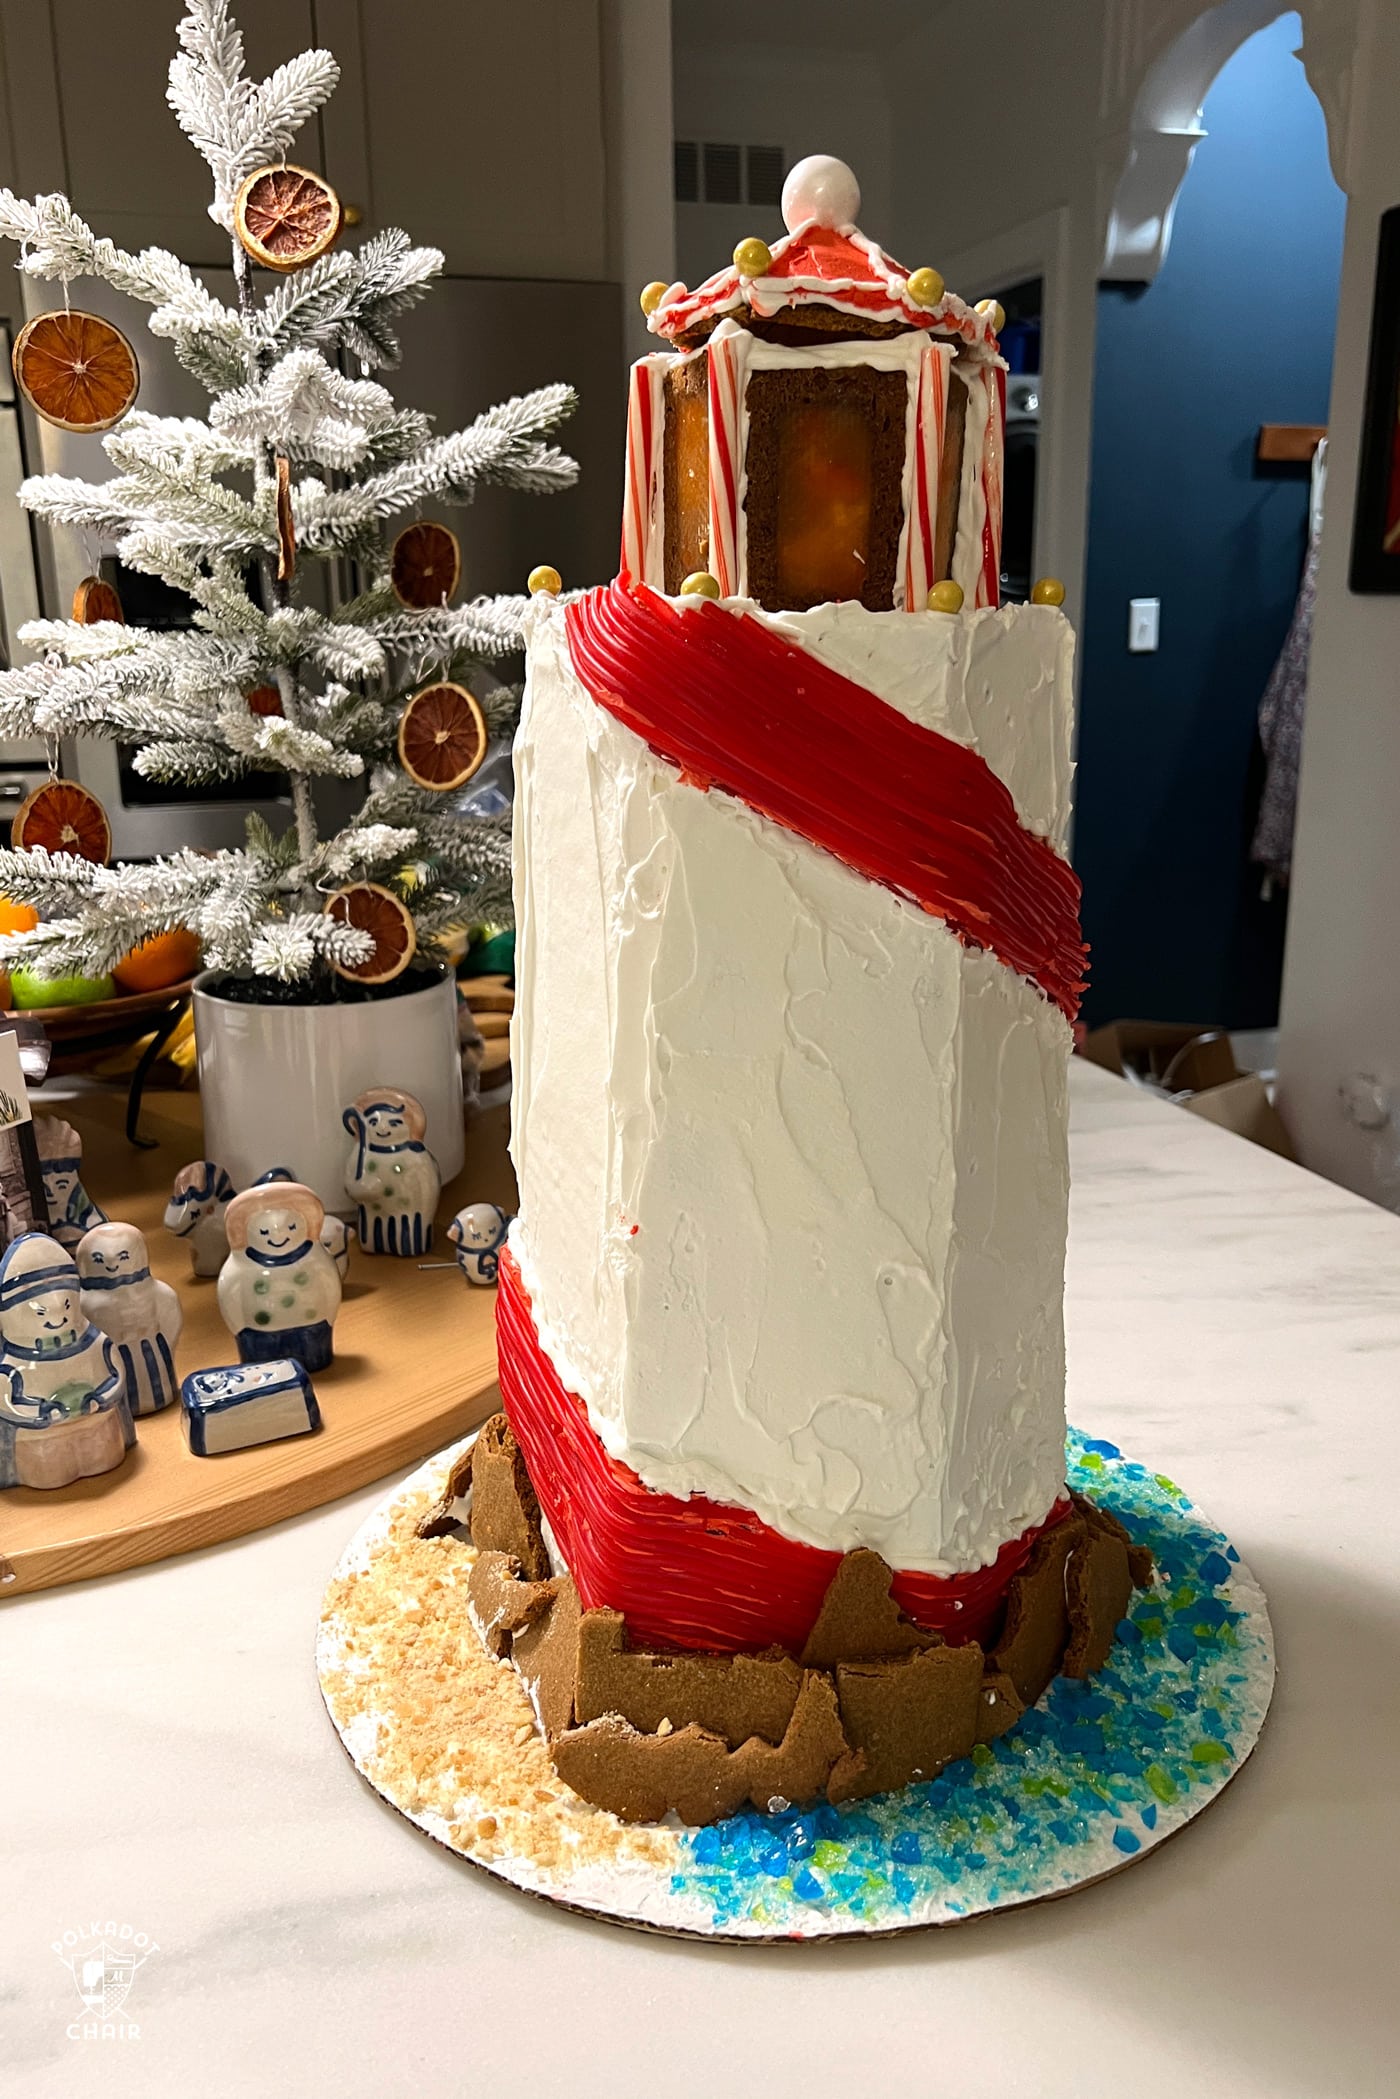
(792, 1161)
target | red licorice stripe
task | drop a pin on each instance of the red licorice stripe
(693, 1573)
(732, 705)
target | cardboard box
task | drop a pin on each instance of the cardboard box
(1193, 1065)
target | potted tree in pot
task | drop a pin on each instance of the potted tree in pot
(321, 975)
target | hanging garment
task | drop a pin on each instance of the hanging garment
(1281, 709)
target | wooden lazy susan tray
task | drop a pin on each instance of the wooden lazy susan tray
(415, 1367)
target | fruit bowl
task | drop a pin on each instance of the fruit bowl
(81, 1035)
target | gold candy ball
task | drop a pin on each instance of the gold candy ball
(925, 287)
(544, 578)
(701, 585)
(946, 596)
(650, 296)
(995, 312)
(753, 258)
(1048, 591)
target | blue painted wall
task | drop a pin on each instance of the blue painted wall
(1235, 331)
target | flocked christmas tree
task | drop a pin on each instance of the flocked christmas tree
(297, 461)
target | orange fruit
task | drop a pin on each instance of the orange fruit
(285, 217)
(17, 918)
(62, 817)
(265, 699)
(442, 737)
(166, 958)
(76, 370)
(94, 600)
(425, 566)
(380, 913)
(286, 524)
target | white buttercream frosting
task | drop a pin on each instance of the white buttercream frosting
(792, 1160)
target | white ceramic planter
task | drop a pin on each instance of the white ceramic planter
(274, 1079)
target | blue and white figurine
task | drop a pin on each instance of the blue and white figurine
(63, 1413)
(72, 1210)
(242, 1404)
(478, 1233)
(195, 1213)
(391, 1175)
(335, 1232)
(278, 1289)
(140, 1315)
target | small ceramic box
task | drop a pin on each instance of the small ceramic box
(246, 1403)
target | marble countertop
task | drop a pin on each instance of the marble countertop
(170, 1767)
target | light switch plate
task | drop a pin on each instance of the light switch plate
(1144, 615)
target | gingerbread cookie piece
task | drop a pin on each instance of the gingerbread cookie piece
(694, 1773)
(501, 1602)
(998, 1705)
(909, 1717)
(1098, 1585)
(1036, 1627)
(505, 1512)
(546, 1653)
(439, 1521)
(1102, 1519)
(859, 1619)
(732, 1696)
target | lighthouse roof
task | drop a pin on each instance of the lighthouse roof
(823, 261)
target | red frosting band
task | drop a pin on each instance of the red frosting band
(693, 1573)
(736, 707)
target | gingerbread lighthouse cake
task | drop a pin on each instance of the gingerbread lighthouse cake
(776, 1508)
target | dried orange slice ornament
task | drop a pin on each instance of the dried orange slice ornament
(75, 370)
(286, 524)
(62, 817)
(442, 737)
(285, 217)
(378, 912)
(94, 600)
(425, 565)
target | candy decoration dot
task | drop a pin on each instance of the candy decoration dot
(1048, 591)
(544, 578)
(753, 258)
(650, 296)
(925, 287)
(992, 310)
(946, 596)
(701, 585)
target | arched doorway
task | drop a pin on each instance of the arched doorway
(1217, 315)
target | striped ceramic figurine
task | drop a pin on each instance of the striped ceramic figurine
(391, 1175)
(140, 1315)
(195, 1213)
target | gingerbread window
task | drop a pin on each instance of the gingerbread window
(686, 472)
(824, 464)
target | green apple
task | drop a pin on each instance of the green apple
(28, 990)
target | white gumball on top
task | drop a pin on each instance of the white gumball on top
(823, 189)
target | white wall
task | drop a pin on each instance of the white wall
(1341, 1004)
(804, 100)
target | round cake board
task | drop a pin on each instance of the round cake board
(1095, 1777)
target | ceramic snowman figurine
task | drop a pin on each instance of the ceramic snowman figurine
(278, 1289)
(335, 1232)
(391, 1174)
(72, 1210)
(140, 1315)
(63, 1414)
(195, 1213)
(479, 1233)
